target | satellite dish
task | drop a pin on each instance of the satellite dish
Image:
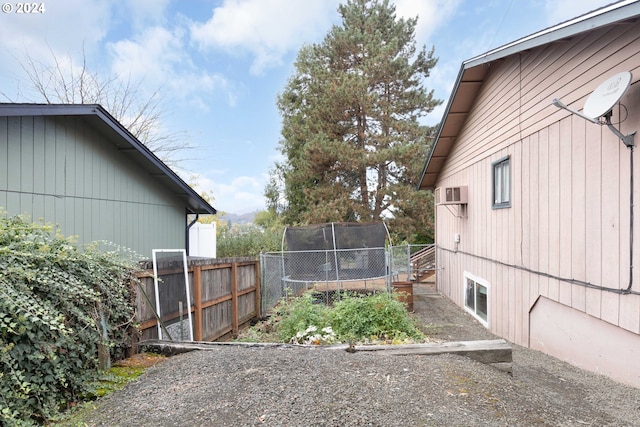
(607, 95)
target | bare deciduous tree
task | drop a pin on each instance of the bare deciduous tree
(62, 82)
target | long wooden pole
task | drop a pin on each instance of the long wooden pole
(234, 297)
(197, 302)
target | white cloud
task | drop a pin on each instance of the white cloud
(266, 29)
(49, 35)
(38, 32)
(158, 56)
(431, 15)
(243, 194)
(146, 12)
(269, 29)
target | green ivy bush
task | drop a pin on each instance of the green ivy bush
(57, 304)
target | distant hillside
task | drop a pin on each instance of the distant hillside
(246, 218)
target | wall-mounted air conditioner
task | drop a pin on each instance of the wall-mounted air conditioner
(452, 195)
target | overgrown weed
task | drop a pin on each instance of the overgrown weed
(354, 318)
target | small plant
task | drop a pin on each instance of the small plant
(297, 314)
(262, 331)
(311, 336)
(111, 380)
(375, 317)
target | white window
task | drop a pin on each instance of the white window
(476, 298)
(502, 183)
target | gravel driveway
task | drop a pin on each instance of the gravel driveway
(234, 386)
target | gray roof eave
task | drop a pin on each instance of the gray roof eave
(440, 127)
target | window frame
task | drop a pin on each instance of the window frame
(477, 281)
(499, 166)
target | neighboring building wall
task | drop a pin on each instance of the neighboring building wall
(569, 214)
(61, 170)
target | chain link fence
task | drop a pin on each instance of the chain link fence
(329, 272)
(411, 262)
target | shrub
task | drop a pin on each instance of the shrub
(248, 242)
(353, 318)
(376, 317)
(56, 303)
(297, 314)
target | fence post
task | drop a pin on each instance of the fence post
(197, 302)
(409, 269)
(262, 273)
(256, 267)
(234, 297)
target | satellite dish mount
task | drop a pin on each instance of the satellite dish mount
(598, 108)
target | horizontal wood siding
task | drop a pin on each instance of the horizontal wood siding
(62, 171)
(569, 214)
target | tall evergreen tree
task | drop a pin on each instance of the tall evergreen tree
(351, 139)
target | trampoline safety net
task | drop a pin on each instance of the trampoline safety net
(335, 252)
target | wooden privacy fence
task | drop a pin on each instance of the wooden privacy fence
(225, 296)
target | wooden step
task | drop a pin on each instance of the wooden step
(497, 353)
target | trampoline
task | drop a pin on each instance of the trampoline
(333, 257)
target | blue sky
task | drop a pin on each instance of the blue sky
(220, 64)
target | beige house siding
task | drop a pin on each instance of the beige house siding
(569, 215)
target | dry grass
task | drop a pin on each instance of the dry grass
(142, 360)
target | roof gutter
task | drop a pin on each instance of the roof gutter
(191, 224)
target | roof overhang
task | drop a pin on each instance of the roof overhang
(473, 73)
(97, 117)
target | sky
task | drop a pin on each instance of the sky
(219, 65)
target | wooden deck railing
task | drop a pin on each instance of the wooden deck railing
(423, 263)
